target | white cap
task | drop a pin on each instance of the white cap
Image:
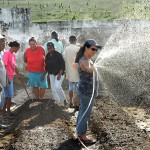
(1, 37)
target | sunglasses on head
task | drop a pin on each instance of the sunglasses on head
(94, 49)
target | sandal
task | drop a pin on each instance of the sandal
(88, 142)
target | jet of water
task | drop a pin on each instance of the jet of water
(124, 63)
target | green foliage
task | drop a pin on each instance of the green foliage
(48, 10)
(74, 17)
(136, 10)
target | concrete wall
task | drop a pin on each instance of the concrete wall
(16, 24)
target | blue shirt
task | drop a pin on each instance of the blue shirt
(58, 46)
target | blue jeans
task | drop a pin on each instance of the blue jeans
(84, 113)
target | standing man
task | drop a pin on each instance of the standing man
(57, 43)
(71, 73)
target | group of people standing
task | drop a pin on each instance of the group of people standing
(52, 61)
(46, 61)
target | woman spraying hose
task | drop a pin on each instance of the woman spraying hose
(85, 88)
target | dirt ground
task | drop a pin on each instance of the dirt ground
(47, 125)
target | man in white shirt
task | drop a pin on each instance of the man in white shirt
(72, 74)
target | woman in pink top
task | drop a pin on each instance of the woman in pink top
(9, 59)
(34, 57)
